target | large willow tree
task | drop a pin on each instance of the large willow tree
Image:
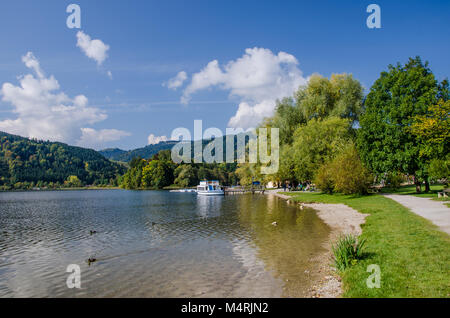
(313, 126)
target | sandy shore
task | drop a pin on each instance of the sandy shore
(342, 220)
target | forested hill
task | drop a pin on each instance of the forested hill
(149, 151)
(28, 162)
(144, 152)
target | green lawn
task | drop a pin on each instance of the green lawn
(414, 256)
(411, 190)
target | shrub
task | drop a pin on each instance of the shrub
(439, 169)
(394, 180)
(345, 174)
(349, 174)
(324, 179)
(347, 251)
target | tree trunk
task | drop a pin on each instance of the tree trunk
(427, 185)
(417, 183)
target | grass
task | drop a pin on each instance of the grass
(411, 190)
(414, 256)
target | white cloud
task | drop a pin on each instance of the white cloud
(96, 138)
(153, 140)
(94, 49)
(257, 78)
(251, 115)
(109, 75)
(176, 81)
(44, 112)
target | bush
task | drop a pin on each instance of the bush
(347, 251)
(324, 179)
(394, 180)
(439, 169)
(345, 174)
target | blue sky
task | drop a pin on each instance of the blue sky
(150, 42)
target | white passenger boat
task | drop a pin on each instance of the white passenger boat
(210, 188)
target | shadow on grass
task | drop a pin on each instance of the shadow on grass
(366, 255)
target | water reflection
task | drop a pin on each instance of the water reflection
(287, 249)
(153, 244)
(209, 206)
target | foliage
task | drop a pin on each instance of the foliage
(347, 251)
(313, 126)
(401, 95)
(287, 164)
(4, 171)
(185, 176)
(324, 179)
(287, 118)
(344, 174)
(394, 180)
(340, 96)
(25, 163)
(144, 152)
(433, 130)
(157, 174)
(318, 142)
(161, 172)
(247, 173)
(439, 169)
(73, 181)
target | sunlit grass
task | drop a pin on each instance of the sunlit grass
(414, 256)
(411, 190)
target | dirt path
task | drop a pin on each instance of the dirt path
(435, 211)
(342, 220)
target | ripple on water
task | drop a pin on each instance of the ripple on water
(154, 244)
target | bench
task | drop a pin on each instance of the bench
(376, 188)
(443, 193)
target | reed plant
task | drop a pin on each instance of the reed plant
(347, 251)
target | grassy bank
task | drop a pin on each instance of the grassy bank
(414, 256)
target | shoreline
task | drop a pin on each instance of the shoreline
(342, 220)
(63, 189)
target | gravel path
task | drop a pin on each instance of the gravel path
(435, 211)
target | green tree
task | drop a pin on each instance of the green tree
(157, 174)
(185, 176)
(344, 174)
(433, 130)
(439, 169)
(318, 142)
(4, 171)
(340, 96)
(400, 94)
(73, 181)
(287, 118)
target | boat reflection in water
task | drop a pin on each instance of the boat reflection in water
(209, 206)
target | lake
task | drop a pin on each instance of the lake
(156, 244)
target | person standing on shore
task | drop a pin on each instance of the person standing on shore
(284, 186)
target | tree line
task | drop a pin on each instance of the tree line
(331, 134)
(27, 163)
(334, 136)
(160, 171)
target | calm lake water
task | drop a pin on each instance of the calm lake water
(155, 244)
